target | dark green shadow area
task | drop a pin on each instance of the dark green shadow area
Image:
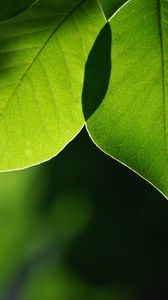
(11, 8)
(111, 6)
(97, 72)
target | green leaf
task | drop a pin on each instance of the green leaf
(10, 8)
(131, 124)
(42, 58)
(111, 6)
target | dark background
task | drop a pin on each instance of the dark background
(81, 226)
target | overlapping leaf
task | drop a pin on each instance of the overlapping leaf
(131, 124)
(42, 57)
(110, 6)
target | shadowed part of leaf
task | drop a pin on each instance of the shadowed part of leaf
(111, 6)
(11, 8)
(97, 72)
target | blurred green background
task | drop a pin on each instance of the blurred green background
(81, 226)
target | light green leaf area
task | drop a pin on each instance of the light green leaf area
(131, 124)
(42, 57)
(10, 8)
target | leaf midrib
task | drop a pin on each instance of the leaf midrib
(40, 51)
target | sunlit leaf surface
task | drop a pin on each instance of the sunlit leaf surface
(42, 57)
(131, 124)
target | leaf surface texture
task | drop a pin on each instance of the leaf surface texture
(10, 8)
(42, 57)
(131, 124)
